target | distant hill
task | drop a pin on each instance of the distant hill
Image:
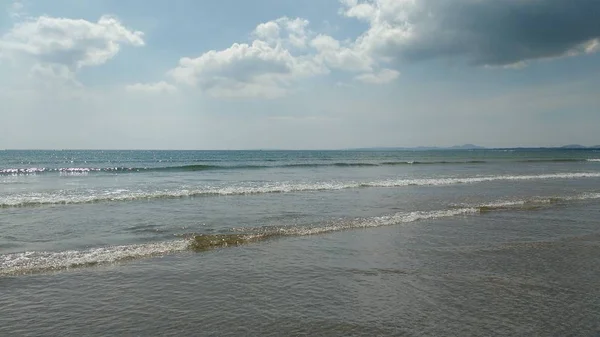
(423, 148)
(470, 147)
(573, 146)
(466, 147)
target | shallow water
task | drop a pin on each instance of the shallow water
(300, 243)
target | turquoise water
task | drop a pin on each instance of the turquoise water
(481, 242)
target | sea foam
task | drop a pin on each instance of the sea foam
(36, 262)
(74, 197)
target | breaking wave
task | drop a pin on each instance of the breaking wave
(66, 197)
(36, 262)
(202, 167)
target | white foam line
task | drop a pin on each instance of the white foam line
(398, 218)
(29, 262)
(125, 195)
(471, 180)
(32, 262)
(536, 201)
(584, 196)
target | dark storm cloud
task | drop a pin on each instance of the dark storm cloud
(501, 32)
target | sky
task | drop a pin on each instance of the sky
(298, 74)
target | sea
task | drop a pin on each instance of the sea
(486, 242)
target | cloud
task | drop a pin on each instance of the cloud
(268, 31)
(61, 43)
(502, 33)
(51, 75)
(16, 9)
(484, 32)
(161, 87)
(292, 33)
(263, 68)
(283, 52)
(381, 77)
(334, 55)
(248, 69)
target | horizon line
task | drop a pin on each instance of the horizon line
(420, 147)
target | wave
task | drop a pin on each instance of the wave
(85, 170)
(36, 262)
(471, 180)
(182, 168)
(532, 203)
(193, 168)
(202, 167)
(63, 198)
(204, 242)
(552, 160)
(442, 162)
(341, 164)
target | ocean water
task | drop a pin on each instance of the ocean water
(287, 243)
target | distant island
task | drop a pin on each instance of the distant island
(466, 147)
(577, 146)
(472, 147)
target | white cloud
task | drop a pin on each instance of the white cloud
(61, 43)
(334, 55)
(277, 58)
(590, 46)
(389, 21)
(290, 33)
(248, 69)
(296, 28)
(361, 11)
(381, 77)
(152, 88)
(268, 31)
(262, 68)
